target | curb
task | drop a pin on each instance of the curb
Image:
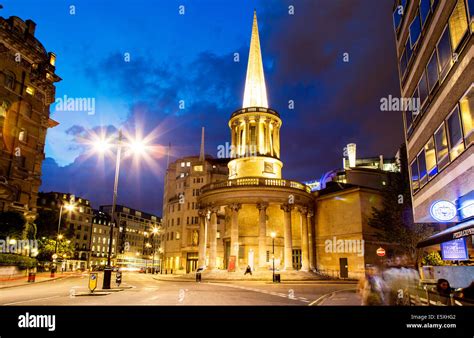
(317, 281)
(26, 284)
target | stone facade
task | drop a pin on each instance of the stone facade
(27, 77)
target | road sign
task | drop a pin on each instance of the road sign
(380, 252)
(118, 278)
(93, 281)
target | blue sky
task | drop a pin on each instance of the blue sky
(190, 57)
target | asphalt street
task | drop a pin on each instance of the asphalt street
(143, 289)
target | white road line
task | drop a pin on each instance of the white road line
(31, 300)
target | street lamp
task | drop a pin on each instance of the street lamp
(103, 145)
(273, 234)
(70, 208)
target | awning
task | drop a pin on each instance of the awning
(460, 230)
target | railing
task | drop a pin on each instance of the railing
(257, 182)
(255, 110)
(427, 296)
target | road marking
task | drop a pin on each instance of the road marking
(330, 294)
(31, 300)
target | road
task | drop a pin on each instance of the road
(143, 289)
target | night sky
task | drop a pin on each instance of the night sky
(190, 57)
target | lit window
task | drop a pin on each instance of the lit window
(415, 30)
(218, 235)
(188, 164)
(444, 54)
(441, 143)
(178, 236)
(183, 164)
(432, 71)
(30, 90)
(458, 23)
(22, 135)
(456, 145)
(198, 168)
(181, 175)
(430, 155)
(422, 167)
(4, 106)
(467, 115)
(414, 176)
(52, 59)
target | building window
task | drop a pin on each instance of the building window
(467, 115)
(268, 167)
(218, 236)
(10, 80)
(4, 106)
(22, 136)
(187, 220)
(30, 90)
(456, 144)
(183, 164)
(432, 71)
(268, 256)
(178, 235)
(424, 11)
(414, 176)
(178, 221)
(458, 23)
(430, 155)
(188, 164)
(444, 54)
(441, 144)
(198, 168)
(415, 31)
(409, 122)
(397, 17)
(422, 168)
(423, 89)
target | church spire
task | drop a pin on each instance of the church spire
(255, 94)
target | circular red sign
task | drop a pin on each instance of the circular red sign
(381, 252)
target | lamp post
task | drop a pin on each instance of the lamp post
(154, 232)
(273, 234)
(70, 208)
(108, 268)
(160, 250)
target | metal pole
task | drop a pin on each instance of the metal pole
(59, 226)
(273, 254)
(153, 259)
(108, 268)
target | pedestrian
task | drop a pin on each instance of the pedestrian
(444, 290)
(371, 288)
(468, 292)
(248, 270)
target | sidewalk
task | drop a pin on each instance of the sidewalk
(266, 276)
(41, 277)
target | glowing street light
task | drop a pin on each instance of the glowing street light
(70, 208)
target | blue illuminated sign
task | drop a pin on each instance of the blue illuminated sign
(455, 250)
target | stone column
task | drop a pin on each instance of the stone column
(257, 136)
(247, 136)
(288, 253)
(311, 246)
(233, 142)
(202, 237)
(268, 143)
(213, 238)
(304, 239)
(262, 235)
(234, 233)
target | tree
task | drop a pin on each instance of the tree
(47, 223)
(47, 247)
(12, 224)
(394, 219)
